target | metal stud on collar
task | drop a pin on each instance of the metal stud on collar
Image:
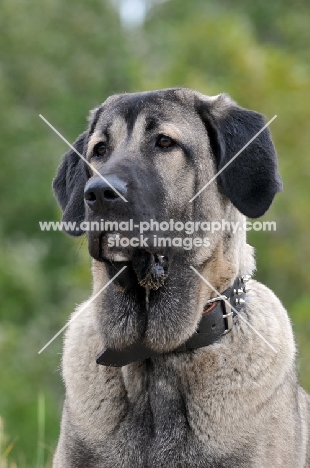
(244, 278)
(242, 289)
(239, 301)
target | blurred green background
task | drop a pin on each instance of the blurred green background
(62, 58)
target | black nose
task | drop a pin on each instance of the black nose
(99, 194)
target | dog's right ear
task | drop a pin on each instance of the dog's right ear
(69, 184)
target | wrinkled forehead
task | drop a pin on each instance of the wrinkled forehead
(145, 112)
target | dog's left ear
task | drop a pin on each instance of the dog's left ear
(69, 184)
(251, 180)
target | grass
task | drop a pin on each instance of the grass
(5, 448)
(41, 431)
(6, 445)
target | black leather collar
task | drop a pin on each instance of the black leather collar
(216, 321)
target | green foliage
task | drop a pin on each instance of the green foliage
(60, 59)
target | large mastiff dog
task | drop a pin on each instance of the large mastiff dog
(180, 380)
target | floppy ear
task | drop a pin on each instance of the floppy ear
(69, 184)
(251, 180)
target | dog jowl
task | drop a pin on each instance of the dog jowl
(148, 155)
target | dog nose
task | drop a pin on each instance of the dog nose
(99, 194)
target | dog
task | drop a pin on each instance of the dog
(179, 358)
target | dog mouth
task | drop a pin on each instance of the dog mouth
(149, 266)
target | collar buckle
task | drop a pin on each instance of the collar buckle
(228, 316)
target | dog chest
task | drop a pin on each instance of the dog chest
(160, 427)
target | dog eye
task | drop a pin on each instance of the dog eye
(164, 141)
(100, 150)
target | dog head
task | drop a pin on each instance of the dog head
(144, 157)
